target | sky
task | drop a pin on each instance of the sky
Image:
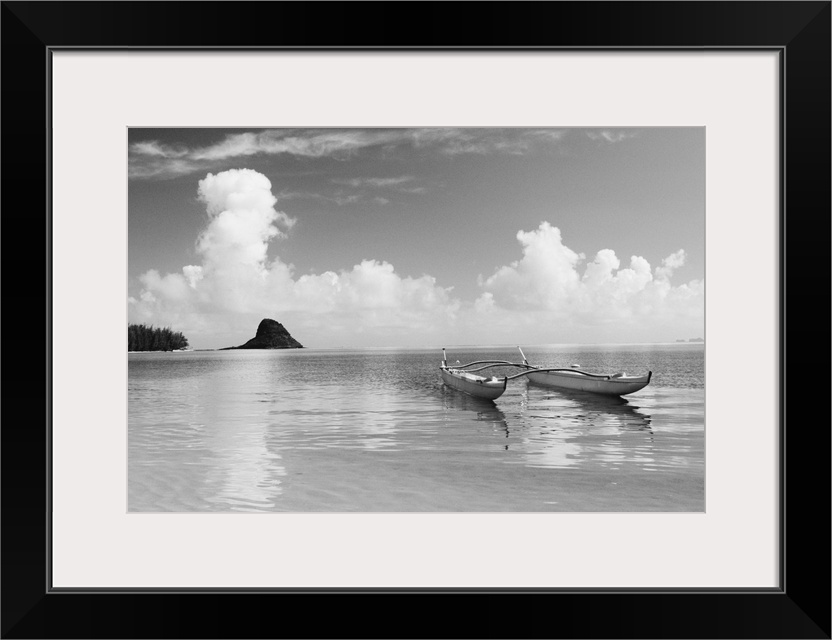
(418, 237)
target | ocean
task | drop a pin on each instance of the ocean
(375, 430)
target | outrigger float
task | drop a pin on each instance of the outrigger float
(463, 378)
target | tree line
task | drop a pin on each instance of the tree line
(141, 337)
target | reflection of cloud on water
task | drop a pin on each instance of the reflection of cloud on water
(203, 449)
(329, 417)
(243, 472)
(250, 474)
(581, 429)
(367, 417)
(551, 452)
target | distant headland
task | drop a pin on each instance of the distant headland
(270, 335)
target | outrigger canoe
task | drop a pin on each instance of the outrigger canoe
(616, 384)
(464, 379)
(575, 379)
(468, 382)
(478, 386)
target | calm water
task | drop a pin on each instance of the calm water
(376, 430)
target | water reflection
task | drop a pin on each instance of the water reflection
(203, 447)
(583, 429)
(244, 473)
(588, 408)
(378, 431)
(486, 411)
(333, 416)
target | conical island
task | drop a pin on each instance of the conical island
(271, 335)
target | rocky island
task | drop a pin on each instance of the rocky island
(270, 335)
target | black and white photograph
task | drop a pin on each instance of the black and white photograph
(416, 305)
(416, 320)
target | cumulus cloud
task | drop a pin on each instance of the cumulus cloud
(545, 277)
(242, 218)
(551, 285)
(551, 293)
(237, 283)
(670, 264)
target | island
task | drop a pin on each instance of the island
(270, 335)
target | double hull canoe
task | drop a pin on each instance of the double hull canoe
(474, 385)
(612, 385)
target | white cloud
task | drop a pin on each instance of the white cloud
(378, 183)
(670, 264)
(551, 293)
(193, 274)
(152, 159)
(242, 218)
(159, 150)
(546, 276)
(366, 187)
(326, 143)
(481, 141)
(611, 136)
(171, 287)
(236, 285)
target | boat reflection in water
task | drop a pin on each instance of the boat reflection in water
(486, 411)
(543, 427)
(590, 408)
(570, 429)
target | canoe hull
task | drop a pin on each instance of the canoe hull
(577, 382)
(476, 386)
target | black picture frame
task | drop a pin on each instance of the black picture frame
(799, 608)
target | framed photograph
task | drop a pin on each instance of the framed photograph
(416, 316)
